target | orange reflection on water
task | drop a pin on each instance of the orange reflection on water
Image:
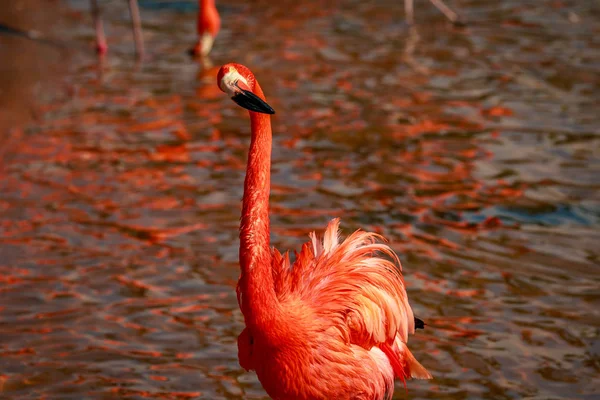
(120, 205)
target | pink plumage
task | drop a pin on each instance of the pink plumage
(208, 25)
(335, 324)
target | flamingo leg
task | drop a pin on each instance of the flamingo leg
(451, 15)
(136, 24)
(409, 11)
(101, 45)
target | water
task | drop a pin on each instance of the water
(474, 151)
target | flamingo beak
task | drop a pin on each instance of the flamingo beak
(248, 100)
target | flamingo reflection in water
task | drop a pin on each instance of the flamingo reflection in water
(335, 324)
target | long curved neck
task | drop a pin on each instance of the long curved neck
(208, 17)
(206, 4)
(259, 302)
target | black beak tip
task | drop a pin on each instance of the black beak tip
(248, 100)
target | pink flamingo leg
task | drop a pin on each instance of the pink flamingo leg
(101, 46)
(409, 10)
(136, 23)
(439, 4)
(451, 15)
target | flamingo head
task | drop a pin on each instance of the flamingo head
(238, 82)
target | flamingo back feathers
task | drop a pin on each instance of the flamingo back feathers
(357, 285)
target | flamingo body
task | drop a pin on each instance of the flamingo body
(335, 323)
(208, 26)
(343, 325)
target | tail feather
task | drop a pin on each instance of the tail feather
(404, 364)
(415, 369)
(419, 323)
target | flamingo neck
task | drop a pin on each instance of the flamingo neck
(206, 4)
(259, 302)
(208, 18)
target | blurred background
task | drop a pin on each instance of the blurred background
(474, 150)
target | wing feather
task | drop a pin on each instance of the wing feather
(356, 284)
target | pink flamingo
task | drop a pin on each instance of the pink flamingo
(208, 26)
(334, 325)
(136, 23)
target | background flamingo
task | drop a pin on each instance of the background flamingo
(208, 26)
(334, 325)
(136, 24)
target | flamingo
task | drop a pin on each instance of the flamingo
(439, 4)
(334, 325)
(208, 26)
(136, 23)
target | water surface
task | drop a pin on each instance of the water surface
(475, 151)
